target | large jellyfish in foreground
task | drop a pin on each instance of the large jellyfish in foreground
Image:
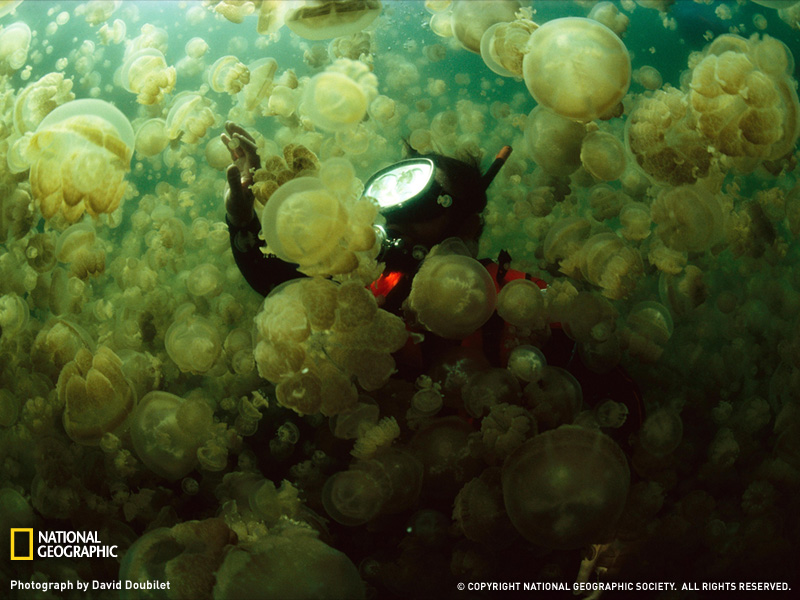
(79, 156)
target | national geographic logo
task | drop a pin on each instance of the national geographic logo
(21, 544)
(58, 544)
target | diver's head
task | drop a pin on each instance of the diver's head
(427, 199)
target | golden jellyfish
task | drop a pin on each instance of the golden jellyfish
(228, 75)
(318, 222)
(521, 303)
(577, 67)
(660, 132)
(192, 341)
(554, 142)
(603, 155)
(563, 243)
(97, 397)
(566, 488)
(471, 18)
(338, 98)
(610, 16)
(217, 154)
(8, 6)
(503, 46)
(14, 315)
(745, 100)
(235, 11)
(452, 295)
(611, 264)
(647, 330)
(15, 41)
(325, 19)
(648, 77)
(167, 431)
(635, 220)
(196, 48)
(261, 84)
(100, 11)
(40, 98)
(113, 34)
(79, 156)
(151, 137)
(442, 24)
(189, 117)
(311, 331)
(688, 218)
(146, 74)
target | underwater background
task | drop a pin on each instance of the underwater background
(241, 448)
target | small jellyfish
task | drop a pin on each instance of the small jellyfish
(151, 137)
(167, 431)
(262, 81)
(327, 19)
(527, 363)
(503, 46)
(228, 75)
(146, 74)
(577, 67)
(554, 142)
(8, 6)
(471, 18)
(521, 304)
(452, 295)
(193, 342)
(15, 41)
(189, 117)
(338, 98)
(647, 330)
(603, 155)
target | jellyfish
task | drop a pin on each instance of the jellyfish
(97, 397)
(262, 81)
(647, 330)
(318, 223)
(79, 155)
(100, 11)
(611, 264)
(566, 488)
(452, 295)
(325, 19)
(189, 117)
(40, 98)
(15, 41)
(192, 342)
(745, 100)
(603, 155)
(577, 67)
(521, 304)
(167, 431)
(8, 6)
(471, 18)
(146, 74)
(227, 75)
(688, 217)
(151, 137)
(338, 98)
(503, 46)
(554, 142)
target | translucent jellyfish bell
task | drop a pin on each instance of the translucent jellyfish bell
(189, 117)
(521, 304)
(7, 6)
(39, 98)
(228, 75)
(15, 41)
(566, 488)
(337, 99)
(151, 137)
(577, 67)
(79, 156)
(146, 74)
(325, 20)
(503, 46)
(303, 222)
(452, 295)
(471, 18)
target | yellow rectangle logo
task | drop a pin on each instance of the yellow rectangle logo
(22, 541)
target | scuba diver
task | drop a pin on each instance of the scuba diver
(416, 221)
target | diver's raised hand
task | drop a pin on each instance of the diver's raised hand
(239, 197)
